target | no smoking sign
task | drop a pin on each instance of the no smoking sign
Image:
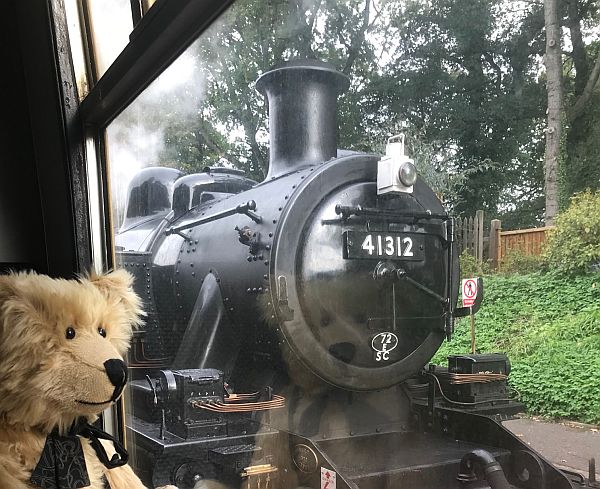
(469, 291)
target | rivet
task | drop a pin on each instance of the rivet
(249, 258)
(274, 221)
(193, 274)
(144, 265)
(270, 235)
(268, 304)
(191, 264)
(272, 316)
(248, 290)
(266, 289)
(280, 208)
(231, 309)
(176, 282)
(193, 249)
(266, 262)
(293, 186)
(253, 289)
(196, 242)
(255, 258)
(265, 276)
(286, 197)
(268, 247)
(260, 289)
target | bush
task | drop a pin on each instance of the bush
(549, 325)
(516, 261)
(470, 268)
(573, 246)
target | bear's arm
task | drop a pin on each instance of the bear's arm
(122, 477)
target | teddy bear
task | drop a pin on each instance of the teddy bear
(62, 344)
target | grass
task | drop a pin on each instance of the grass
(550, 327)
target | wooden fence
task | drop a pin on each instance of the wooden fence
(469, 235)
(527, 241)
(493, 244)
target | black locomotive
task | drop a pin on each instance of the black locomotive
(290, 321)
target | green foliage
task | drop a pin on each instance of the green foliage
(573, 246)
(470, 268)
(460, 77)
(550, 327)
(516, 261)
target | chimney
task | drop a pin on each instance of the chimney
(302, 97)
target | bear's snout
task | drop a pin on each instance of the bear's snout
(117, 374)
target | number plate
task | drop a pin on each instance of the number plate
(393, 246)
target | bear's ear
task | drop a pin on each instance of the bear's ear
(117, 285)
(21, 292)
(7, 288)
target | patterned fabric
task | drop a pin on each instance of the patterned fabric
(62, 463)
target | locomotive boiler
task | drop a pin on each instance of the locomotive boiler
(290, 321)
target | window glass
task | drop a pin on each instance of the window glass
(77, 47)
(282, 196)
(110, 25)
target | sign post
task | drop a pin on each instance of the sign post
(469, 293)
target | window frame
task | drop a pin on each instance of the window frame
(157, 39)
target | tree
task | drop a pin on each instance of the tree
(462, 77)
(553, 63)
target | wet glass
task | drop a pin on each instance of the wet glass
(297, 278)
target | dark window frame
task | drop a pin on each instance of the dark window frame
(166, 30)
(157, 39)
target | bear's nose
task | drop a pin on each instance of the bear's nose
(117, 373)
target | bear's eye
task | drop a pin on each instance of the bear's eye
(70, 333)
(102, 332)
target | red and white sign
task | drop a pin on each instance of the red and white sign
(328, 478)
(469, 291)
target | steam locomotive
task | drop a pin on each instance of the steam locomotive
(290, 321)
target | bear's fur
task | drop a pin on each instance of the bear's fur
(48, 380)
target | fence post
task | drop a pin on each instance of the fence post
(465, 235)
(471, 236)
(495, 227)
(479, 237)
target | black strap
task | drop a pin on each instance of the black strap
(95, 434)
